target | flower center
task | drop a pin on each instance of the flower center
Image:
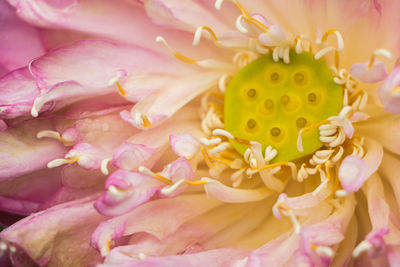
(270, 102)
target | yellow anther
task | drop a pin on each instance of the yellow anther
(326, 34)
(162, 178)
(156, 176)
(146, 121)
(270, 166)
(211, 32)
(120, 89)
(371, 61)
(339, 38)
(206, 157)
(305, 129)
(242, 141)
(176, 54)
(199, 182)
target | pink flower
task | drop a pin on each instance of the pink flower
(199, 132)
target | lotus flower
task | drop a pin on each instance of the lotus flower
(199, 133)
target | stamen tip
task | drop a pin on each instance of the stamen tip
(218, 4)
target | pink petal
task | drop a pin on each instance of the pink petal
(234, 195)
(386, 132)
(275, 252)
(129, 190)
(158, 217)
(374, 155)
(24, 194)
(17, 206)
(46, 235)
(359, 116)
(87, 68)
(348, 128)
(362, 72)
(106, 132)
(390, 98)
(19, 42)
(88, 156)
(162, 105)
(21, 152)
(375, 238)
(352, 173)
(277, 214)
(180, 169)
(130, 156)
(18, 90)
(122, 21)
(183, 14)
(66, 194)
(217, 257)
(184, 145)
(189, 238)
(74, 176)
(275, 37)
(96, 106)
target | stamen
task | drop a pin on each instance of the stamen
(270, 166)
(223, 82)
(116, 192)
(206, 157)
(324, 251)
(54, 135)
(362, 247)
(59, 162)
(198, 33)
(341, 193)
(300, 141)
(103, 166)
(176, 54)
(170, 189)
(222, 132)
(245, 15)
(142, 256)
(210, 142)
(157, 176)
(142, 120)
(217, 149)
(115, 81)
(287, 211)
(239, 25)
(323, 51)
(340, 43)
(379, 52)
(299, 48)
(49, 134)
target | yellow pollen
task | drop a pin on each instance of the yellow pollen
(120, 89)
